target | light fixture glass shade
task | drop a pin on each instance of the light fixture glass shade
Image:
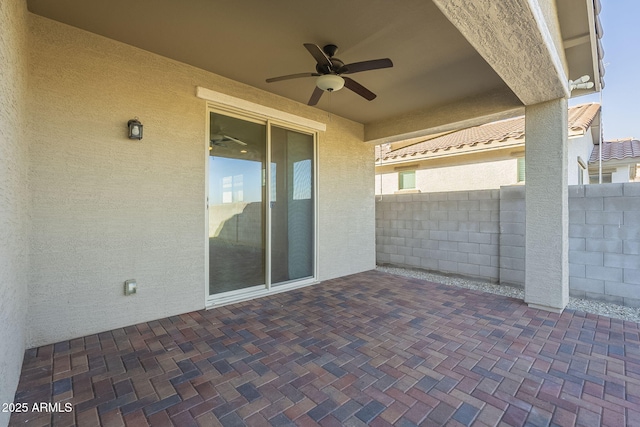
(135, 129)
(330, 82)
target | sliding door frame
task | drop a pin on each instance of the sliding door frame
(314, 197)
(216, 300)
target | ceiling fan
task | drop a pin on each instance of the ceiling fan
(220, 139)
(330, 71)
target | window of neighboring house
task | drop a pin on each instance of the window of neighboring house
(521, 169)
(606, 178)
(406, 180)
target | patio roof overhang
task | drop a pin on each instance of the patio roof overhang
(456, 63)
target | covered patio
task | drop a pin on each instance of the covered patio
(90, 213)
(370, 348)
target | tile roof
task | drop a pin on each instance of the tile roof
(580, 119)
(619, 149)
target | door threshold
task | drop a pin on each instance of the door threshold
(233, 299)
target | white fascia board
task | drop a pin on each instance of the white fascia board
(251, 107)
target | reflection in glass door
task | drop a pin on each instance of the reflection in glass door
(292, 218)
(252, 243)
(237, 191)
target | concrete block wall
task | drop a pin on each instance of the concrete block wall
(604, 239)
(452, 232)
(428, 231)
(512, 214)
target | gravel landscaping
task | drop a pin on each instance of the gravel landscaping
(578, 304)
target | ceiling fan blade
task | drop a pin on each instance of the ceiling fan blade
(291, 76)
(374, 64)
(217, 142)
(315, 96)
(359, 89)
(320, 57)
(236, 140)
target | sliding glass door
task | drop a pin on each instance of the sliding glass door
(237, 194)
(254, 245)
(292, 207)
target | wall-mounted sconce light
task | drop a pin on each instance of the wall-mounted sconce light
(135, 129)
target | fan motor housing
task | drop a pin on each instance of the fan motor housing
(323, 69)
(337, 66)
(330, 49)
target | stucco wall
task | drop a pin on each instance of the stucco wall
(386, 183)
(467, 177)
(579, 147)
(621, 174)
(456, 178)
(13, 197)
(346, 229)
(107, 209)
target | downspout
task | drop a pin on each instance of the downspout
(601, 141)
(600, 161)
(380, 164)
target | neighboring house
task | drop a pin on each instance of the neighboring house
(620, 159)
(482, 157)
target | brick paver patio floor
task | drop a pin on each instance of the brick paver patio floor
(368, 349)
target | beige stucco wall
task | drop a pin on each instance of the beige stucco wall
(473, 176)
(107, 209)
(346, 231)
(13, 197)
(621, 174)
(546, 283)
(580, 146)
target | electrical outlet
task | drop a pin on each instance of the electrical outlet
(130, 287)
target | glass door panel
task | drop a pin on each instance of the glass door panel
(292, 205)
(237, 193)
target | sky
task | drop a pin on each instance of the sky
(621, 95)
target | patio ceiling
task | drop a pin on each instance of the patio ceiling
(435, 66)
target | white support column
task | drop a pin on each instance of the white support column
(546, 196)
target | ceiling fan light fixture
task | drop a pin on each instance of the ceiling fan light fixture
(330, 82)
